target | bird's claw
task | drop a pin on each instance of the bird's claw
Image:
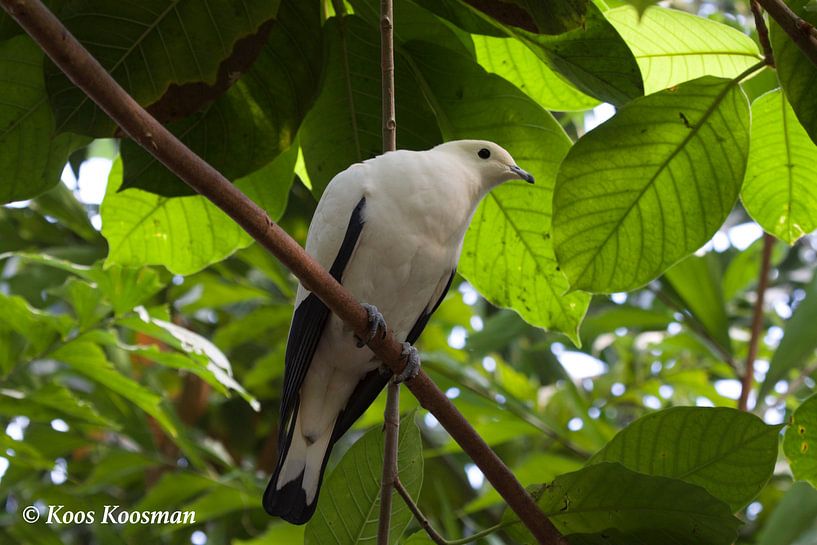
(376, 321)
(412, 367)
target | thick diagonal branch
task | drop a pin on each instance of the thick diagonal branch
(87, 74)
(799, 30)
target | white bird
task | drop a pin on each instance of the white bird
(390, 230)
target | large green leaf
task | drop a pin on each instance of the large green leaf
(31, 154)
(800, 442)
(593, 57)
(507, 254)
(697, 281)
(673, 46)
(779, 188)
(796, 349)
(350, 500)
(606, 503)
(516, 63)
(344, 126)
(728, 452)
(48, 402)
(793, 516)
(147, 46)
(650, 186)
(259, 116)
(185, 234)
(88, 359)
(796, 72)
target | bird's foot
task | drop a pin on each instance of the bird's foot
(376, 322)
(412, 367)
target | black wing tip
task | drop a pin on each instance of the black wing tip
(289, 502)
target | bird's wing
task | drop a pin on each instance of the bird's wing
(373, 383)
(308, 322)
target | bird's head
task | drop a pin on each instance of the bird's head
(492, 162)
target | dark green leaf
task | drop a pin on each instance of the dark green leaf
(350, 499)
(800, 442)
(792, 517)
(39, 329)
(796, 350)
(778, 191)
(88, 359)
(728, 452)
(743, 270)
(797, 74)
(256, 120)
(697, 281)
(31, 154)
(344, 125)
(48, 402)
(608, 499)
(650, 186)
(60, 204)
(147, 46)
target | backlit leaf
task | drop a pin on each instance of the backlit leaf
(651, 185)
(800, 442)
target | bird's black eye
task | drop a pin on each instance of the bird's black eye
(484, 153)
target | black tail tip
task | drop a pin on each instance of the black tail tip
(289, 502)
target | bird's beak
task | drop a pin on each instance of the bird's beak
(523, 175)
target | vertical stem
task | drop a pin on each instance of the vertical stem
(762, 33)
(391, 427)
(391, 418)
(757, 323)
(387, 75)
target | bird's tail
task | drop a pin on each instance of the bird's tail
(292, 492)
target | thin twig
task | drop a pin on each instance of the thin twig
(391, 417)
(433, 534)
(757, 323)
(87, 74)
(799, 30)
(762, 33)
(698, 328)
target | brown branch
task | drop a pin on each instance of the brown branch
(757, 323)
(391, 417)
(762, 33)
(801, 31)
(87, 74)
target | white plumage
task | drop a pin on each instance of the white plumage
(391, 230)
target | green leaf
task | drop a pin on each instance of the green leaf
(276, 533)
(800, 442)
(124, 288)
(510, 59)
(593, 57)
(61, 204)
(185, 234)
(792, 517)
(48, 402)
(88, 359)
(728, 452)
(31, 155)
(796, 349)
(39, 328)
(697, 281)
(256, 120)
(635, 318)
(673, 46)
(507, 254)
(797, 74)
(147, 46)
(344, 125)
(350, 499)
(778, 189)
(219, 501)
(743, 270)
(651, 185)
(607, 499)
